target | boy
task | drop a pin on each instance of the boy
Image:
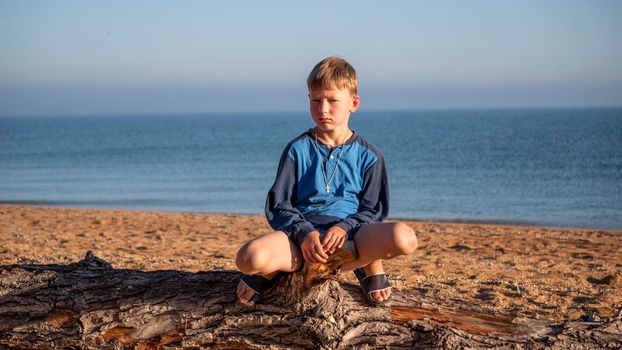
(331, 186)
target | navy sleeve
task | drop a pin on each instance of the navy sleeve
(280, 212)
(373, 199)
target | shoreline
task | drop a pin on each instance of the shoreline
(489, 222)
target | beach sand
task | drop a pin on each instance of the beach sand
(524, 271)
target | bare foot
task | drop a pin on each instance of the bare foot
(376, 268)
(382, 295)
(245, 293)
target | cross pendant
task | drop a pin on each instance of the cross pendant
(327, 188)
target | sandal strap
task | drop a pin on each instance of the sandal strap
(373, 283)
(360, 274)
(376, 283)
(259, 283)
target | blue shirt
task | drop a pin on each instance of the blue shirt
(359, 190)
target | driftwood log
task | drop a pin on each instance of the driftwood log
(90, 305)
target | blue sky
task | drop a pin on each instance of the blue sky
(111, 57)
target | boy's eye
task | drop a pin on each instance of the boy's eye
(332, 100)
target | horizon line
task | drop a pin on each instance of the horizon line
(285, 111)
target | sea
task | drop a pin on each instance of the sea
(545, 167)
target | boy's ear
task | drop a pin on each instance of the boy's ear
(356, 101)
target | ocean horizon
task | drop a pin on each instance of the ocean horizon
(559, 167)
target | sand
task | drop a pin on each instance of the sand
(524, 271)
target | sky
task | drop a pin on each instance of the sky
(136, 57)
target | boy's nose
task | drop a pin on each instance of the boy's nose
(324, 107)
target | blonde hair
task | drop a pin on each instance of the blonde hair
(333, 73)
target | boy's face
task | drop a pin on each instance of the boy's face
(330, 109)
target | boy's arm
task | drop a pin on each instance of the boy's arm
(280, 212)
(374, 198)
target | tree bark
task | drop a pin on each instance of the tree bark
(90, 305)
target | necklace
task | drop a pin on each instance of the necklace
(317, 146)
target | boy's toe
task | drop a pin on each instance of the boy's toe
(244, 293)
(376, 288)
(387, 294)
(381, 295)
(377, 296)
(246, 296)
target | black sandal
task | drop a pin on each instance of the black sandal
(373, 283)
(260, 285)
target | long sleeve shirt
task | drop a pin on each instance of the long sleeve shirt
(357, 183)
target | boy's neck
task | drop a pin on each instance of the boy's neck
(334, 137)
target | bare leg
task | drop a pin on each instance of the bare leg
(266, 255)
(375, 242)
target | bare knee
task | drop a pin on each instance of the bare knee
(405, 239)
(251, 259)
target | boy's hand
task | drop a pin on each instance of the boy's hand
(334, 239)
(312, 249)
